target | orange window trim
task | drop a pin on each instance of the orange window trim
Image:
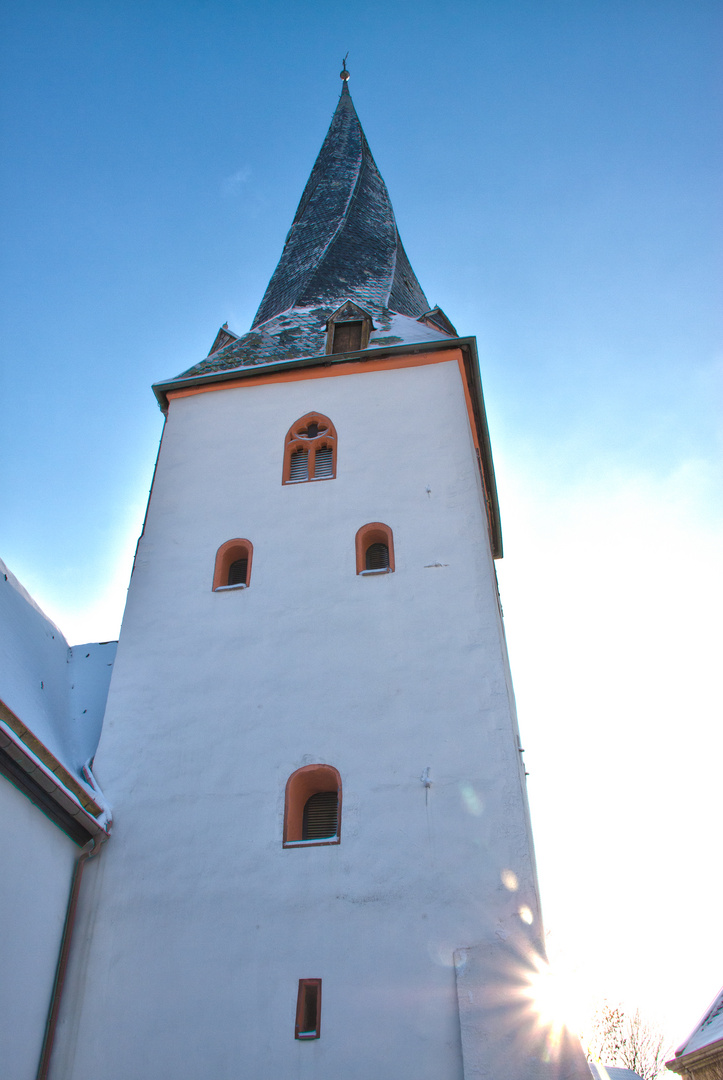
(294, 442)
(376, 532)
(307, 781)
(227, 554)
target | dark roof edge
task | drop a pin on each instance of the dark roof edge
(468, 346)
(46, 794)
(489, 483)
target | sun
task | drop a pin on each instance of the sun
(560, 997)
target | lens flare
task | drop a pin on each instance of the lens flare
(471, 799)
(559, 1000)
(509, 880)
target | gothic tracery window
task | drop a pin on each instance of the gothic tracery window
(310, 450)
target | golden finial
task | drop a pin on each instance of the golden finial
(344, 74)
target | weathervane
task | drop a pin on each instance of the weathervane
(344, 74)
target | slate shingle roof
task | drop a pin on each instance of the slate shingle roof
(343, 242)
(343, 245)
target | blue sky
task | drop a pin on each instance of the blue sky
(555, 170)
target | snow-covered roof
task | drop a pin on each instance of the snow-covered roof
(709, 1029)
(300, 332)
(52, 697)
(611, 1072)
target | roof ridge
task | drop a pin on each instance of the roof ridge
(345, 213)
(393, 273)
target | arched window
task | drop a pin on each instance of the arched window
(374, 549)
(310, 450)
(312, 814)
(233, 565)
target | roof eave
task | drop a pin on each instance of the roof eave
(711, 1053)
(468, 346)
(50, 791)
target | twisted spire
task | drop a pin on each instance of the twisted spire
(343, 242)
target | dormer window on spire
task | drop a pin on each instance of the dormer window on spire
(348, 329)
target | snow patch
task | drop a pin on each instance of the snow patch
(57, 692)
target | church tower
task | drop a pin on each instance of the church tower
(321, 863)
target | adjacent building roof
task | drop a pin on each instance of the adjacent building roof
(703, 1049)
(611, 1072)
(52, 701)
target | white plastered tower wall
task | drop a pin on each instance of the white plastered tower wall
(202, 922)
(423, 922)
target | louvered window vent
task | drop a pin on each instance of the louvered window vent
(324, 464)
(309, 450)
(237, 572)
(321, 814)
(377, 557)
(299, 465)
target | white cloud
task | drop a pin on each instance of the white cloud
(231, 185)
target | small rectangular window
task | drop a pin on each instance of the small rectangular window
(347, 337)
(308, 1009)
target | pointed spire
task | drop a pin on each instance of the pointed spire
(343, 251)
(343, 243)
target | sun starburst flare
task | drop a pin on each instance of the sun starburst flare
(560, 999)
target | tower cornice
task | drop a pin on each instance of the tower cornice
(464, 348)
